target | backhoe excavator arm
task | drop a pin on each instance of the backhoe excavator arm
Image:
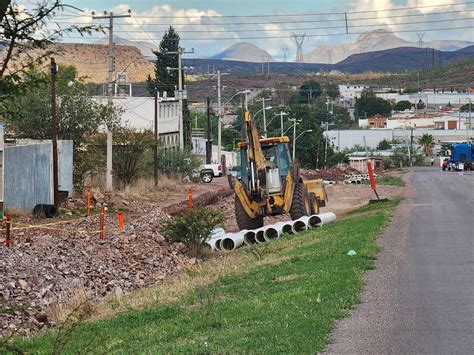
(256, 159)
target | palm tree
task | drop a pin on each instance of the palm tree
(427, 143)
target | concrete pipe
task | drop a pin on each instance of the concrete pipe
(299, 226)
(272, 232)
(232, 241)
(249, 237)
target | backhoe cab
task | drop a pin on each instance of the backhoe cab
(268, 183)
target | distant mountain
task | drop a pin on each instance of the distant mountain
(244, 51)
(380, 39)
(469, 49)
(400, 60)
(146, 48)
(396, 60)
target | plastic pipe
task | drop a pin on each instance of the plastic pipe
(272, 232)
(323, 218)
(260, 234)
(249, 237)
(299, 226)
(232, 241)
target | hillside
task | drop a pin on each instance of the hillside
(400, 59)
(91, 61)
(455, 75)
(371, 41)
(146, 48)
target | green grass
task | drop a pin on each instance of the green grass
(289, 303)
(388, 180)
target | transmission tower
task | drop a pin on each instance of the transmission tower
(420, 39)
(299, 39)
(285, 51)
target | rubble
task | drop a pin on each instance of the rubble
(49, 266)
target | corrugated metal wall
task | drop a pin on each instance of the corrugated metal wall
(28, 174)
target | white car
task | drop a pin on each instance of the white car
(209, 171)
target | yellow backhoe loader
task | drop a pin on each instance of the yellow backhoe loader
(268, 183)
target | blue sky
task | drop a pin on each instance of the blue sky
(215, 33)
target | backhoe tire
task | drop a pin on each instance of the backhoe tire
(314, 203)
(244, 221)
(301, 204)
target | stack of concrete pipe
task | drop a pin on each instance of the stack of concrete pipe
(222, 241)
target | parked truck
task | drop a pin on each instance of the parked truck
(461, 157)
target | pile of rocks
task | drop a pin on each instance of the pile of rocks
(50, 265)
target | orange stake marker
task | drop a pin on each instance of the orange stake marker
(190, 197)
(88, 202)
(372, 178)
(120, 221)
(7, 231)
(102, 222)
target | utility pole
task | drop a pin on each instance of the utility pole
(155, 150)
(111, 61)
(470, 109)
(54, 135)
(219, 117)
(326, 147)
(294, 137)
(263, 99)
(209, 133)
(180, 53)
(281, 120)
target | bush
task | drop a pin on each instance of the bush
(193, 228)
(174, 161)
(402, 105)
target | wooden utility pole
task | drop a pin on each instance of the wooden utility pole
(54, 134)
(209, 133)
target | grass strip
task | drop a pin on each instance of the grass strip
(286, 298)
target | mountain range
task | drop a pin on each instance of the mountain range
(376, 40)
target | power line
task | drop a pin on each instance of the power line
(315, 13)
(287, 36)
(342, 19)
(310, 28)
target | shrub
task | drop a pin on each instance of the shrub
(193, 228)
(174, 161)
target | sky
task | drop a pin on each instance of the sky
(206, 26)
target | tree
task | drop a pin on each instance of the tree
(427, 143)
(166, 79)
(467, 107)
(384, 145)
(309, 90)
(332, 90)
(22, 30)
(402, 105)
(369, 105)
(78, 116)
(283, 93)
(420, 105)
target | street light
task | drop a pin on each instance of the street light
(221, 112)
(294, 120)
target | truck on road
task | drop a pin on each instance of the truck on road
(461, 157)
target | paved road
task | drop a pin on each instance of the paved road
(420, 299)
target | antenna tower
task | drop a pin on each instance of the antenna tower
(420, 39)
(299, 39)
(285, 51)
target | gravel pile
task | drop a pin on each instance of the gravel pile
(47, 267)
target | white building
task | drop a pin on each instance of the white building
(349, 91)
(437, 99)
(139, 113)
